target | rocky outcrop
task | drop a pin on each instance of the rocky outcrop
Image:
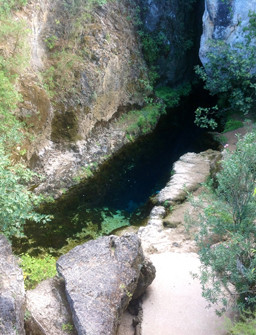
(175, 27)
(189, 172)
(84, 68)
(48, 312)
(12, 292)
(224, 20)
(165, 230)
(101, 277)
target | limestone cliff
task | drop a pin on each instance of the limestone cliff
(224, 20)
(85, 68)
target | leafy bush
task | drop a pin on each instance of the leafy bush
(16, 201)
(171, 96)
(247, 326)
(36, 269)
(204, 117)
(6, 6)
(227, 235)
(232, 125)
(143, 120)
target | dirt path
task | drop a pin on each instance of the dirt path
(173, 304)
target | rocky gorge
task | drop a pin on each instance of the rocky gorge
(97, 280)
(78, 122)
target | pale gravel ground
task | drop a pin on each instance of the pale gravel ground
(173, 304)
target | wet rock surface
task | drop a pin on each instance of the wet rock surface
(12, 292)
(101, 277)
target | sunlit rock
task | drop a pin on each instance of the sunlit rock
(12, 292)
(101, 277)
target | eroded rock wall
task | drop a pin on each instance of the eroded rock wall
(84, 67)
(224, 20)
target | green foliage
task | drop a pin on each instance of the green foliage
(153, 45)
(51, 41)
(227, 235)
(62, 76)
(67, 327)
(203, 117)
(16, 201)
(14, 58)
(232, 124)
(36, 269)
(229, 72)
(6, 6)
(247, 325)
(144, 120)
(171, 96)
(10, 128)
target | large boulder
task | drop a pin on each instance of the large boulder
(12, 292)
(48, 311)
(101, 277)
(224, 20)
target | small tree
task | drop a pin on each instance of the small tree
(227, 234)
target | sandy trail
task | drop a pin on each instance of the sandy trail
(173, 304)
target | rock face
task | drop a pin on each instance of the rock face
(48, 310)
(12, 292)
(165, 230)
(224, 20)
(177, 24)
(84, 68)
(100, 278)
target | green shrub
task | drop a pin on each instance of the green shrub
(144, 120)
(36, 269)
(6, 6)
(246, 326)
(227, 232)
(17, 203)
(232, 125)
(171, 96)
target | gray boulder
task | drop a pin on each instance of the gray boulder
(48, 311)
(12, 292)
(224, 20)
(101, 277)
